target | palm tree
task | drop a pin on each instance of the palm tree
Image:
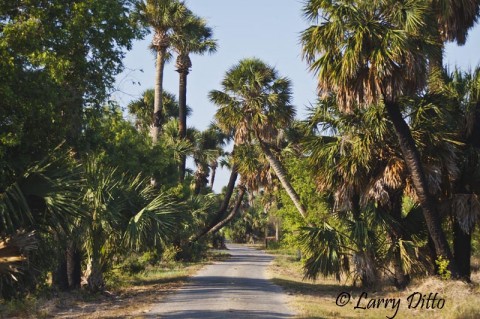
(191, 36)
(141, 109)
(254, 173)
(371, 53)
(44, 199)
(124, 211)
(255, 104)
(220, 140)
(206, 150)
(162, 16)
(453, 20)
(459, 95)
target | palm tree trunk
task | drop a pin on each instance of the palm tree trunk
(182, 115)
(462, 247)
(74, 271)
(233, 212)
(396, 234)
(223, 208)
(282, 176)
(95, 279)
(158, 98)
(213, 166)
(412, 159)
(59, 275)
(200, 178)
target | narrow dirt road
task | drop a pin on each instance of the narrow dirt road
(235, 288)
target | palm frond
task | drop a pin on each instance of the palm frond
(324, 249)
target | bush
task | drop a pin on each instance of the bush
(218, 241)
(191, 252)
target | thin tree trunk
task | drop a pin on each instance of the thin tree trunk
(213, 165)
(59, 276)
(282, 176)
(74, 271)
(277, 231)
(223, 208)
(412, 159)
(233, 212)
(182, 116)
(158, 97)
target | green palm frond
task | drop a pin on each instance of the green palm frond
(324, 249)
(153, 223)
(367, 52)
(46, 195)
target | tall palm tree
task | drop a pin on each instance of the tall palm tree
(162, 16)
(206, 150)
(459, 94)
(255, 103)
(344, 164)
(220, 140)
(191, 36)
(368, 53)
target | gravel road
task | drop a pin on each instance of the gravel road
(235, 288)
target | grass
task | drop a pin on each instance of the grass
(318, 299)
(127, 295)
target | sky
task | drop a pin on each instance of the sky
(265, 29)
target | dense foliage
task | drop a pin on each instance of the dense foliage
(379, 181)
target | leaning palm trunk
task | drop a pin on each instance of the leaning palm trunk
(233, 212)
(219, 215)
(282, 176)
(412, 159)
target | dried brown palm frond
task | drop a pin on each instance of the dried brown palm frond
(467, 209)
(365, 268)
(13, 252)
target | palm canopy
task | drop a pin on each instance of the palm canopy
(455, 18)
(253, 100)
(192, 36)
(368, 51)
(142, 107)
(255, 105)
(162, 16)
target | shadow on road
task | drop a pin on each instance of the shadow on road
(228, 314)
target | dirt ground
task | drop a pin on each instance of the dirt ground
(131, 302)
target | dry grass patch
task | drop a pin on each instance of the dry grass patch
(318, 299)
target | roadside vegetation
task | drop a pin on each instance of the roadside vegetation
(317, 298)
(378, 183)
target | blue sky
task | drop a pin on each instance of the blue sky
(266, 29)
